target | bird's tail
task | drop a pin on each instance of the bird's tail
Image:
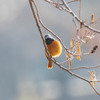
(49, 66)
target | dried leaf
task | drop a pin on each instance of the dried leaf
(77, 44)
(92, 78)
(71, 44)
(75, 48)
(79, 50)
(92, 84)
(68, 65)
(67, 57)
(76, 56)
(70, 62)
(79, 58)
(92, 18)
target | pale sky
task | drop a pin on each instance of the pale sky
(9, 9)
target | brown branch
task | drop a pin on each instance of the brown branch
(78, 19)
(72, 1)
(94, 88)
(39, 28)
(37, 20)
(80, 9)
(67, 50)
(45, 44)
(98, 66)
(48, 28)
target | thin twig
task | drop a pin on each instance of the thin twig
(67, 50)
(46, 48)
(78, 19)
(80, 9)
(72, 1)
(98, 66)
(37, 20)
(94, 88)
(47, 28)
(39, 28)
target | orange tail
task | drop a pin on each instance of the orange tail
(50, 64)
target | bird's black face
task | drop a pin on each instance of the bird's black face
(48, 39)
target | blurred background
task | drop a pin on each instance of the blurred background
(23, 65)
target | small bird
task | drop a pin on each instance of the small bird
(54, 48)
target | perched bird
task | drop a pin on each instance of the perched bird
(54, 48)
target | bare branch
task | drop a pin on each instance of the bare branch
(80, 9)
(72, 1)
(77, 43)
(78, 19)
(94, 89)
(97, 66)
(39, 28)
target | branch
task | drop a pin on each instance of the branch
(78, 19)
(39, 28)
(72, 1)
(45, 44)
(47, 28)
(94, 89)
(69, 10)
(38, 16)
(98, 66)
(38, 23)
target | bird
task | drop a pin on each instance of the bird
(54, 48)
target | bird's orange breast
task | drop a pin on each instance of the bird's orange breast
(54, 48)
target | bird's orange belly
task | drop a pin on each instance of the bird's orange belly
(54, 48)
